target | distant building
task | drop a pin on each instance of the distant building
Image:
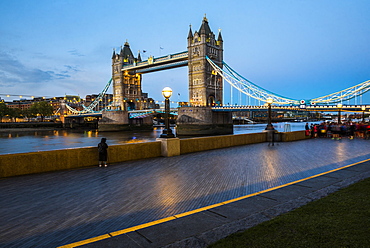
(104, 102)
(58, 103)
(65, 105)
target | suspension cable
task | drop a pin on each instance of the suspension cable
(256, 92)
(90, 108)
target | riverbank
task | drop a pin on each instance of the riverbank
(22, 125)
(32, 126)
(7, 130)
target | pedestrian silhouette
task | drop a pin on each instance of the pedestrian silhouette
(103, 152)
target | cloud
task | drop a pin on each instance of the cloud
(12, 71)
(71, 68)
(74, 52)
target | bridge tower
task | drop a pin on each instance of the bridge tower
(205, 87)
(127, 93)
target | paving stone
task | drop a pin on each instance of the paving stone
(287, 193)
(318, 182)
(364, 167)
(182, 228)
(120, 241)
(342, 174)
(243, 208)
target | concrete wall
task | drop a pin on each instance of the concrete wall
(293, 136)
(37, 162)
(126, 152)
(215, 142)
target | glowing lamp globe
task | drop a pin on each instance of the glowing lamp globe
(167, 92)
(269, 100)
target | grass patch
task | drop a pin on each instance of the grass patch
(341, 219)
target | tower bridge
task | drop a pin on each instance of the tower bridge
(205, 87)
(207, 75)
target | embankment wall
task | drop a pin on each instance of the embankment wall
(46, 161)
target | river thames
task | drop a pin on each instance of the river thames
(33, 141)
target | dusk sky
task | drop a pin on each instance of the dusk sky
(300, 49)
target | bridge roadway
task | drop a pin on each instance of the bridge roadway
(323, 108)
(60, 208)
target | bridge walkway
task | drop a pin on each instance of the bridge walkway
(120, 204)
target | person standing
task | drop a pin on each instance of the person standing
(103, 152)
(307, 129)
(312, 131)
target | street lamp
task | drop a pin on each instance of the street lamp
(363, 108)
(167, 132)
(269, 126)
(339, 106)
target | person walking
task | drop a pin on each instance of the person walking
(103, 152)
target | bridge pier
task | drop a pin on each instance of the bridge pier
(200, 121)
(72, 122)
(117, 120)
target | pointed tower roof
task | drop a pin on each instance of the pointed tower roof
(114, 53)
(190, 35)
(126, 51)
(205, 29)
(139, 57)
(121, 51)
(219, 35)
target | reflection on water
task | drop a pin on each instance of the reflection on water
(19, 142)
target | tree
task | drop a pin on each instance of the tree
(42, 109)
(4, 110)
(15, 113)
(27, 113)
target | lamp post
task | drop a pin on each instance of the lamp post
(339, 106)
(363, 108)
(269, 126)
(167, 132)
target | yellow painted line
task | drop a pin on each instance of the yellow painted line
(134, 228)
(138, 227)
(86, 241)
(199, 210)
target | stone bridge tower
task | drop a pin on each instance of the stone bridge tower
(127, 93)
(205, 87)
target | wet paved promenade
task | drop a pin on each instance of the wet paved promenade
(59, 208)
